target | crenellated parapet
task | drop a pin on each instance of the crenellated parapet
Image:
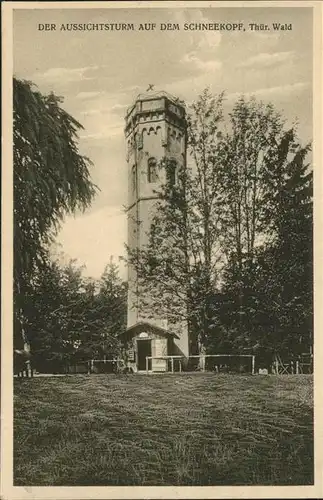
(153, 113)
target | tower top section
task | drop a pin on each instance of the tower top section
(153, 106)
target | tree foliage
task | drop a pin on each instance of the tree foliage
(71, 318)
(230, 247)
(51, 179)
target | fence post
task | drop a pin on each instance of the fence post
(253, 365)
(276, 367)
(297, 367)
(180, 366)
(28, 369)
(147, 364)
(172, 363)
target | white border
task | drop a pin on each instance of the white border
(8, 491)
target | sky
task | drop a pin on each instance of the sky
(100, 73)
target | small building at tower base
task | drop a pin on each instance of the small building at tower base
(151, 348)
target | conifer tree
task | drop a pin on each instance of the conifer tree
(220, 242)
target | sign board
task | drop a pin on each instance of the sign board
(160, 347)
(131, 355)
(160, 365)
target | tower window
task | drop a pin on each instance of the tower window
(152, 170)
(171, 172)
(134, 177)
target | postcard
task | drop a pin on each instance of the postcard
(162, 224)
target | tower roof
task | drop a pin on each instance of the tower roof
(151, 95)
(156, 94)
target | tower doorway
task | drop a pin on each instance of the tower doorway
(143, 350)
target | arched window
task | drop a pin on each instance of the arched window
(152, 170)
(171, 172)
(134, 177)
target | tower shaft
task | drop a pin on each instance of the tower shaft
(155, 130)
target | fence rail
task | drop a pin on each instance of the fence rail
(293, 367)
(201, 358)
(219, 363)
(90, 366)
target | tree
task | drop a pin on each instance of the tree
(289, 256)
(248, 153)
(51, 179)
(112, 307)
(274, 285)
(216, 230)
(177, 270)
(249, 149)
(103, 315)
(71, 318)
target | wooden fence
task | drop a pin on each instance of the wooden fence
(201, 365)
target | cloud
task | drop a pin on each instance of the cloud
(266, 60)
(87, 95)
(205, 66)
(279, 91)
(200, 40)
(116, 109)
(110, 131)
(119, 107)
(94, 111)
(67, 75)
(202, 44)
(282, 89)
(190, 87)
(209, 39)
(103, 115)
(269, 38)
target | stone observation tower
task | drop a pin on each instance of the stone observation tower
(155, 129)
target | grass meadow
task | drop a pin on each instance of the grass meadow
(184, 430)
